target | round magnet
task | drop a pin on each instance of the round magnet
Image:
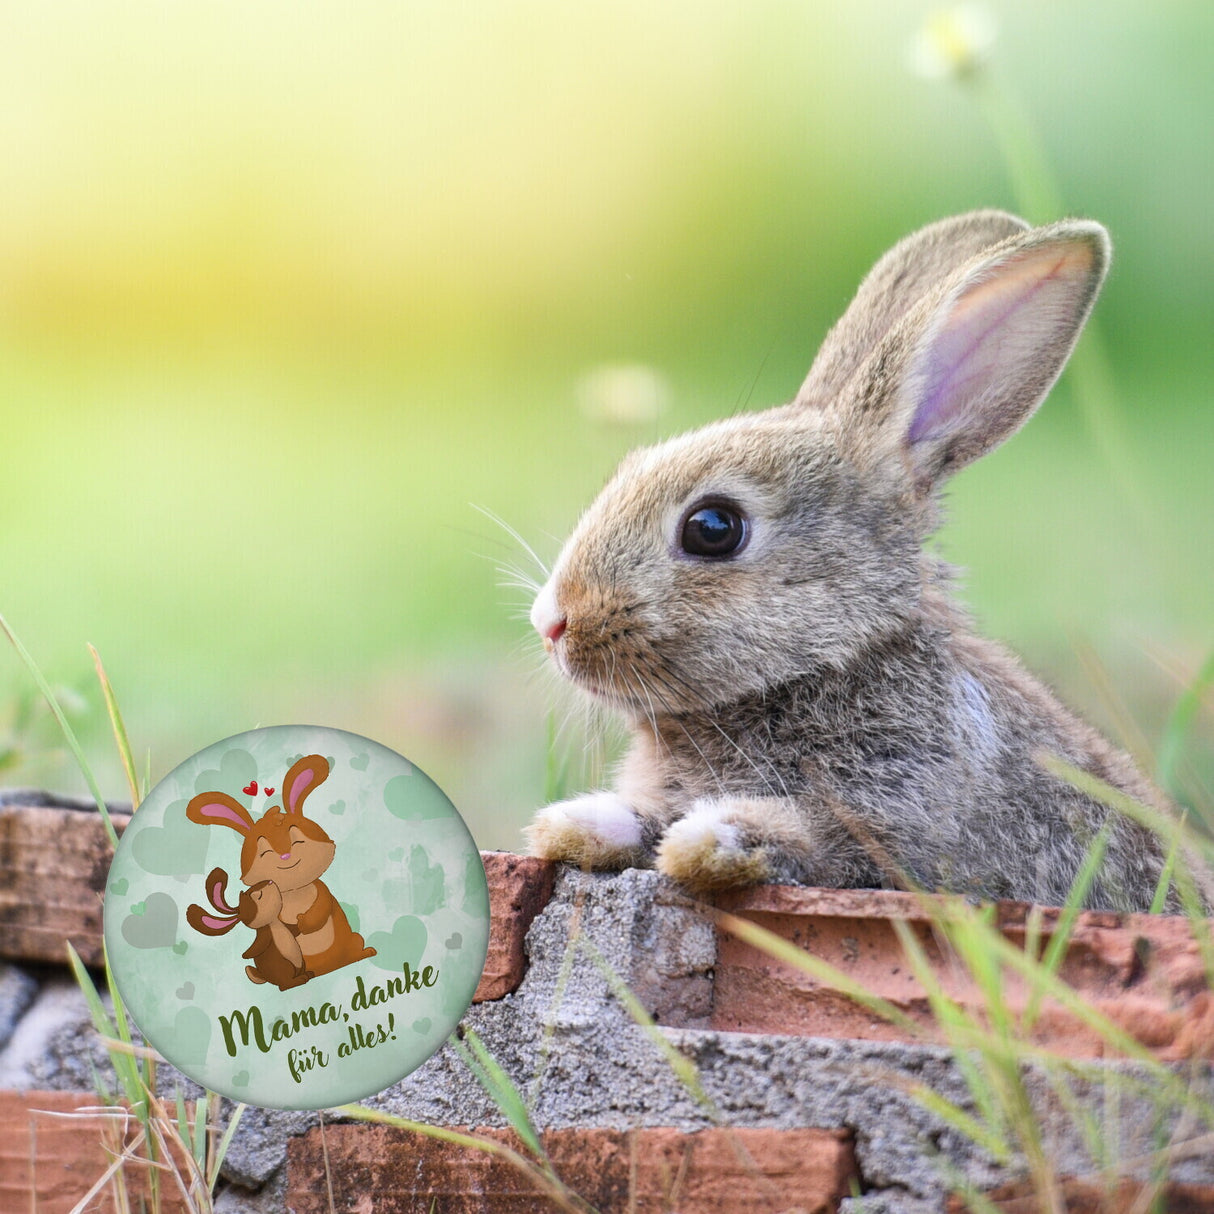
(296, 917)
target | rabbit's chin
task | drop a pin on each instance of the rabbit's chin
(637, 707)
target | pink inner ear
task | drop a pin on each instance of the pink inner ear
(218, 812)
(993, 337)
(295, 793)
(219, 901)
(218, 924)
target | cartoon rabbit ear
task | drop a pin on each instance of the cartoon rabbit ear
(217, 883)
(204, 920)
(219, 809)
(303, 777)
(208, 923)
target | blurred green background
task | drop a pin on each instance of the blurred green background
(286, 291)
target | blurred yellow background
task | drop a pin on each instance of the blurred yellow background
(288, 290)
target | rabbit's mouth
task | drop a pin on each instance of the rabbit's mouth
(615, 693)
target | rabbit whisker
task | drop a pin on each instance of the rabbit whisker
(515, 535)
(671, 676)
(687, 733)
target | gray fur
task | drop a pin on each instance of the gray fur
(815, 709)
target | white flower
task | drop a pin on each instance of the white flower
(625, 394)
(953, 42)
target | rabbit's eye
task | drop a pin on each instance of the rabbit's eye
(714, 529)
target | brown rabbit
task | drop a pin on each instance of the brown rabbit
(292, 851)
(275, 951)
(807, 703)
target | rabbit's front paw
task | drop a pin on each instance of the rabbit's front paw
(595, 831)
(705, 851)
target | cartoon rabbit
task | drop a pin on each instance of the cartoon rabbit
(275, 951)
(807, 703)
(292, 851)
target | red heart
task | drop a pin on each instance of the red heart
(251, 789)
(268, 791)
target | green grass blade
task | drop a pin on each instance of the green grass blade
(100, 1086)
(1160, 900)
(116, 724)
(544, 1179)
(124, 1064)
(490, 1075)
(822, 971)
(1060, 938)
(962, 1032)
(1179, 722)
(1037, 193)
(100, 1017)
(142, 1070)
(969, 930)
(955, 1116)
(1176, 832)
(685, 1070)
(229, 1133)
(1165, 825)
(201, 1110)
(69, 734)
(183, 1121)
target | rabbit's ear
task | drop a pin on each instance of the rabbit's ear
(914, 266)
(217, 885)
(969, 367)
(218, 809)
(303, 777)
(209, 923)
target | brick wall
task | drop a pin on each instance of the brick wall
(805, 1095)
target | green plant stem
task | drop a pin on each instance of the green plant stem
(1039, 197)
(116, 723)
(69, 734)
(1037, 194)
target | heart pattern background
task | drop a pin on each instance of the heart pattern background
(405, 871)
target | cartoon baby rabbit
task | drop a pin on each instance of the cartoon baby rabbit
(290, 850)
(275, 951)
(807, 703)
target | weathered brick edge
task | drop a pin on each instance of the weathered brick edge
(519, 888)
(714, 1171)
(53, 866)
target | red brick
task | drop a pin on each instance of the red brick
(519, 888)
(48, 1162)
(53, 866)
(1081, 1196)
(645, 1171)
(1144, 972)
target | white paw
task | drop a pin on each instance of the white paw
(705, 852)
(603, 815)
(703, 829)
(600, 830)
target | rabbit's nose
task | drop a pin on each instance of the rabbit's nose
(285, 855)
(546, 617)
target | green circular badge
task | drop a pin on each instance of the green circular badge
(296, 917)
